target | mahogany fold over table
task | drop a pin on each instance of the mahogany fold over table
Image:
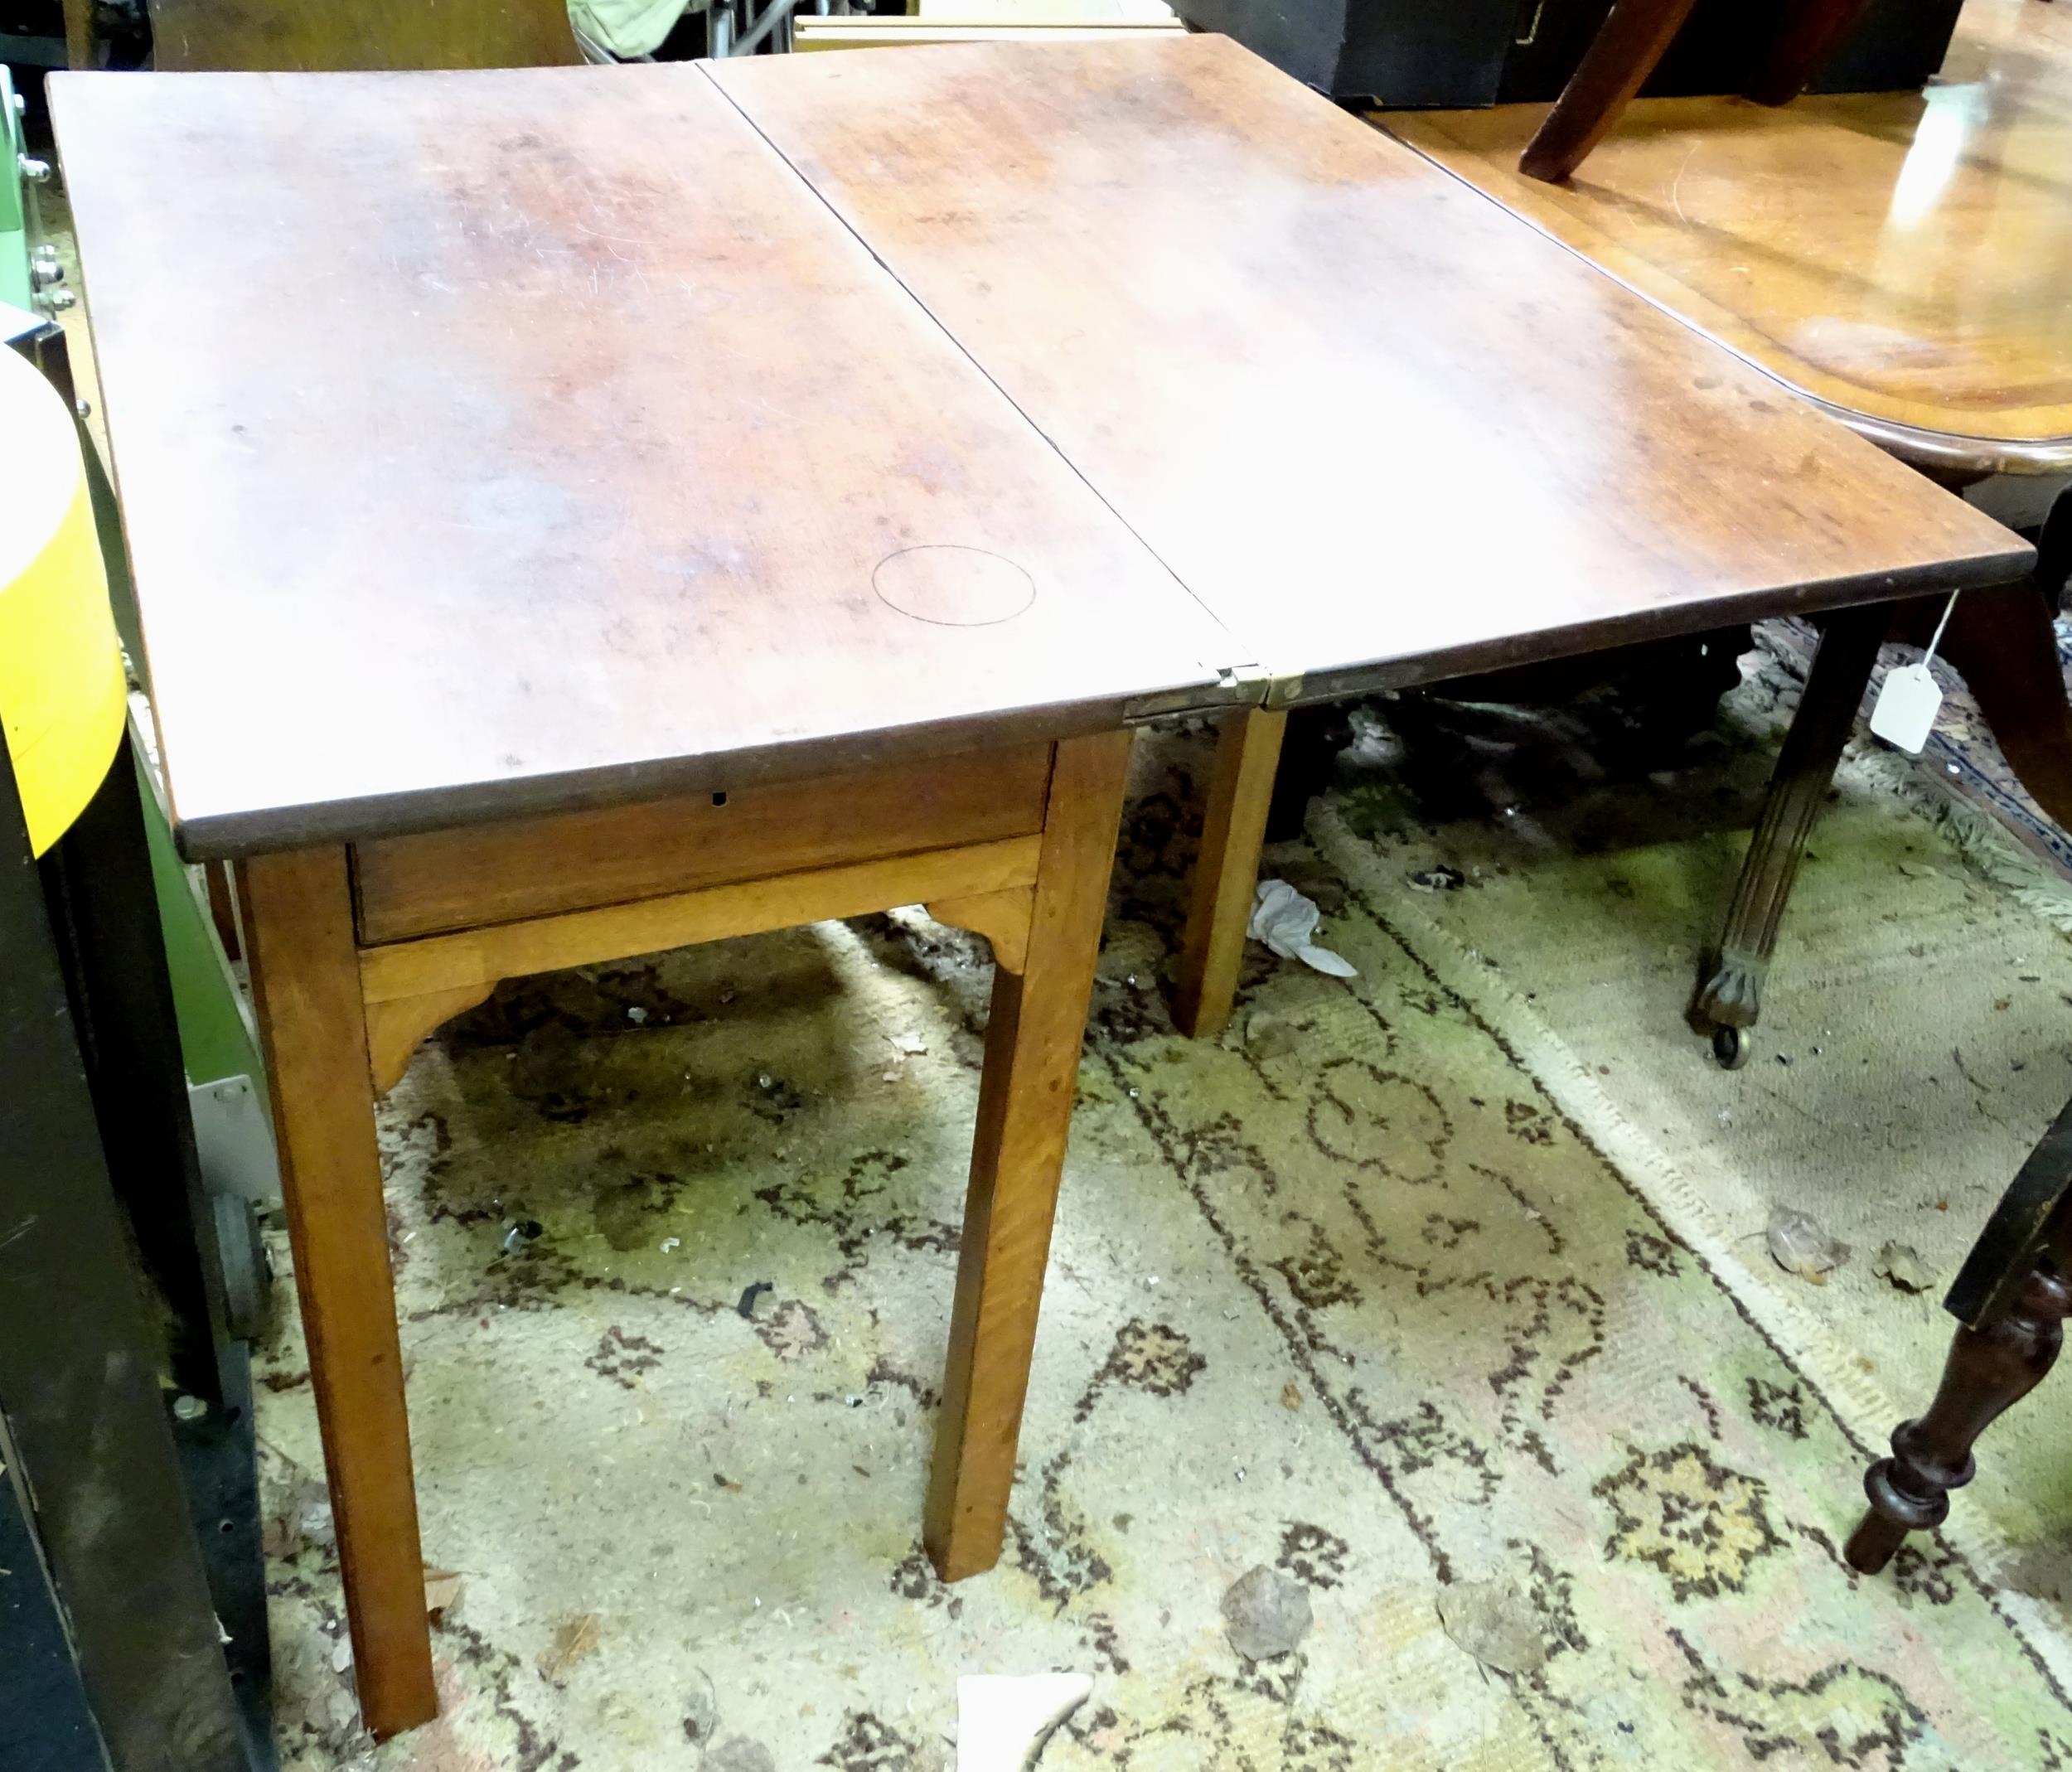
(579, 511)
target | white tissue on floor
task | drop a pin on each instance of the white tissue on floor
(1284, 921)
(1003, 1720)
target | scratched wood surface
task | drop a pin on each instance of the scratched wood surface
(510, 442)
(1384, 430)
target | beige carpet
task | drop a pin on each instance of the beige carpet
(1393, 1291)
(1916, 1035)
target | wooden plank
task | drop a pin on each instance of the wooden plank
(314, 37)
(1386, 431)
(515, 441)
(1899, 256)
(479, 957)
(1025, 1096)
(489, 874)
(1227, 870)
(306, 983)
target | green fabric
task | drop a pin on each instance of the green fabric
(626, 28)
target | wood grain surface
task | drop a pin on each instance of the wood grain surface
(1383, 429)
(1033, 1037)
(512, 442)
(1901, 257)
(469, 958)
(306, 985)
(491, 874)
(1227, 870)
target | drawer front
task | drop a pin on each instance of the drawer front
(494, 873)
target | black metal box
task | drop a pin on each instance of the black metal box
(1468, 52)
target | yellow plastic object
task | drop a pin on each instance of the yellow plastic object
(62, 690)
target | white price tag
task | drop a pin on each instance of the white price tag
(1903, 715)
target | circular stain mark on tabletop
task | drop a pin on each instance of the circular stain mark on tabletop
(953, 586)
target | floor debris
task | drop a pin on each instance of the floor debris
(1494, 1623)
(1268, 1035)
(442, 1593)
(1800, 1246)
(1266, 1613)
(700, 1719)
(738, 1754)
(294, 1506)
(1901, 1264)
(574, 1639)
(1004, 1719)
(1438, 879)
(1284, 921)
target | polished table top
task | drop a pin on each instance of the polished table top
(503, 442)
(1905, 258)
(1382, 429)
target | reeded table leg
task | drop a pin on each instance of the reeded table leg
(1032, 1065)
(1729, 998)
(1227, 870)
(306, 984)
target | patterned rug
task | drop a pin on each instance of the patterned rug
(1352, 1294)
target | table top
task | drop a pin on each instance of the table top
(1905, 258)
(1386, 432)
(499, 442)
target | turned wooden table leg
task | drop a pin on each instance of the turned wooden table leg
(1227, 870)
(306, 984)
(1989, 1370)
(1025, 1096)
(1729, 997)
(1622, 54)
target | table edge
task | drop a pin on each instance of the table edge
(229, 836)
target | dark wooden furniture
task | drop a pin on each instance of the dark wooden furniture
(1632, 40)
(1296, 358)
(491, 633)
(1899, 260)
(2011, 1297)
(1430, 52)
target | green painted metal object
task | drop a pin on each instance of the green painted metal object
(15, 288)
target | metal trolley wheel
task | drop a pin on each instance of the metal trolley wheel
(1731, 1047)
(248, 1270)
